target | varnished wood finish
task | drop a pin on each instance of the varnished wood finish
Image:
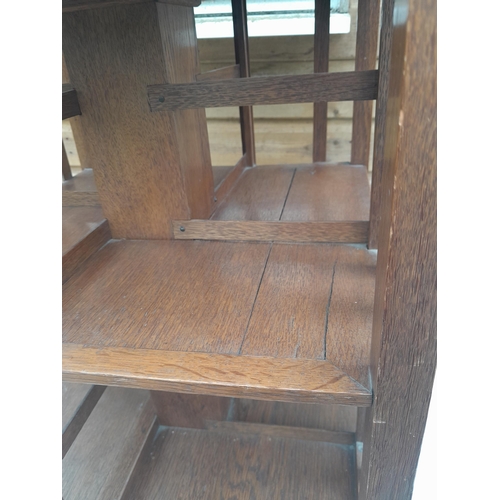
(377, 194)
(321, 47)
(259, 195)
(181, 59)
(84, 231)
(70, 105)
(171, 295)
(293, 380)
(220, 174)
(300, 232)
(328, 192)
(230, 180)
(191, 463)
(405, 316)
(242, 59)
(348, 86)
(78, 401)
(224, 73)
(366, 59)
(66, 169)
(73, 5)
(80, 191)
(134, 153)
(281, 431)
(188, 410)
(101, 459)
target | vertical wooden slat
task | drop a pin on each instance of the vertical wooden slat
(66, 169)
(242, 58)
(403, 359)
(380, 114)
(366, 58)
(321, 54)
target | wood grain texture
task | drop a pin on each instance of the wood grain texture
(366, 59)
(280, 431)
(84, 231)
(171, 295)
(242, 59)
(188, 410)
(300, 232)
(230, 180)
(66, 169)
(328, 192)
(195, 463)
(70, 105)
(321, 47)
(220, 174)
(80, 191)
(350, 315)
(293, 380)
(405, 316)
(178, 35)
(289, 315)
(224, 73)
(78, 401)
(74, 5)
(259, 195)
(386, 34)
(111, 55)
(348, 86)
(338, 418)
(100, 462)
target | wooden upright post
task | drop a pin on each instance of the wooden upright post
(403, 358)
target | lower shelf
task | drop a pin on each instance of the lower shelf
(259, 320)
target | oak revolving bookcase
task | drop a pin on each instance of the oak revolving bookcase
(221, 288)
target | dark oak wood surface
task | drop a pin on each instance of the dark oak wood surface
(70, 105)
(73, 5)
(346, 86)
(220, 174)
(66, 169)
(191, 463)
(101, 459)
(405, 316)
(80, 190)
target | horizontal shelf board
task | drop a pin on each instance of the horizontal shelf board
(294, 380)
(283, 89)
(80, 190)
(304, 232)
(195, 463)
(70, 105)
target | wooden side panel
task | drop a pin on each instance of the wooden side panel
(66, 169)
(188, 410)
(405, 316)
(112, 54)
(80, 191)
(230, 180)
(328, 193)
(181, 58)
(290, 312)
(366, 59)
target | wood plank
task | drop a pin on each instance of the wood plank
(220, 174)
(331, 192)
(105, 306)
(314, 416)
(84, 231)
(134, 153)
(279, 431)
(302, 232)
(178, 35)
(259, 195)
(80, 190)
(66, 169)
(70, 105)
(100, 462)
(321, 47)
(350, 315)
(224, 73)
(74, 5)
(188, 410)
(78, 401)
(230, 181)
(366, 59)
(404, 341)
(207, 464)
(348, 86)
(293, 380)
(290, 313)
(386, 33)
